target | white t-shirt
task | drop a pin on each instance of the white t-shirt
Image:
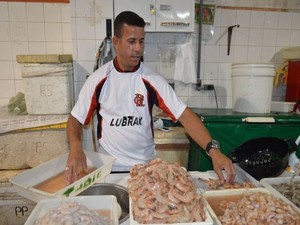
(123, 102)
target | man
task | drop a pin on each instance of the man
(123, 92)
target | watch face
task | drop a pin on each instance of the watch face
(215, 144)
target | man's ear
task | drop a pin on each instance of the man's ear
(116, 41)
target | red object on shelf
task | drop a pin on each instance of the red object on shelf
(293, 82)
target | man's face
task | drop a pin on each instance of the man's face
(130, 46)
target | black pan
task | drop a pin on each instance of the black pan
(264, 157)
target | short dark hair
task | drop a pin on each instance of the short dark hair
(129, 18)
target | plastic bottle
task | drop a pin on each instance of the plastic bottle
(293, 159)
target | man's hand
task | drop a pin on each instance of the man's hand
(76, 163)
(220, 163)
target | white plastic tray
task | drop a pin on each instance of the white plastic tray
(268, 182)
(208, 221)
(240, 177)
(95, 202)
(24, 182)
(226, 193)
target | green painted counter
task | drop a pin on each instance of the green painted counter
(231, 130)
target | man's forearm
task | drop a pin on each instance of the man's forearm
(74, 132)
(195, 128)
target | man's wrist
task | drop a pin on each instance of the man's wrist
(213, 144)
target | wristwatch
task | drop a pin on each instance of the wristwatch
(212, 144)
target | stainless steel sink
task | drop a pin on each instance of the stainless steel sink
(112, 189)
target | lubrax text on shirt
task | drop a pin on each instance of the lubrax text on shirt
(126, 121)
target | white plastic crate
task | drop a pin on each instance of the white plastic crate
(24, 183)
(48, 87)
(208, 221)
(95, 202)
(240, 177)
(268, 182)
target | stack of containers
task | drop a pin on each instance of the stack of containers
(48, 89)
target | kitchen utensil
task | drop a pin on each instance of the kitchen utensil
(112, 189)
(263, 157)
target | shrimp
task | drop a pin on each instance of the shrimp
(167, 194)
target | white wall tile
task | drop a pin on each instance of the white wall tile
(85, 28)
(17, 71)
(254, 54)
(7, 89)
(7, 72)
(255, 37)
(295, 38)
(283, 38)
(228, 18)
(53, 31)
(100, 29)
(4, 11)
(268, 54)
(295, 21)
(195, 102)
(223, 87)
(4, 31)
(285, 20)
(19, 48)
(52, 13)
(6, 51)
(66, 32)
(66, 13)
(17, 11)
(104, 8)
(269, 38)
(211, 71)
(240, 54)
(54, 48)
(225, 102)
(224, 71)
(257, 19)
(223, 57)
(86, 49)
(37, 48)
(151, 52)
(241, 36)
(67, 47)
(84, 8)
(36, 32)
(3, 101)
(243, 18)
(19, 86)
(35, 12)
(212, 53)
(18, 31)
(209, 102)
(271, 20)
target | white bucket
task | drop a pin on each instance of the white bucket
(252, 86)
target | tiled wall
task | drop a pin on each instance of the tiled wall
(262, 33)
(30, 28)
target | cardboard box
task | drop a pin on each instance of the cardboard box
(24, 183)
(95, 202)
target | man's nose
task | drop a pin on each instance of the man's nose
(138, 46)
